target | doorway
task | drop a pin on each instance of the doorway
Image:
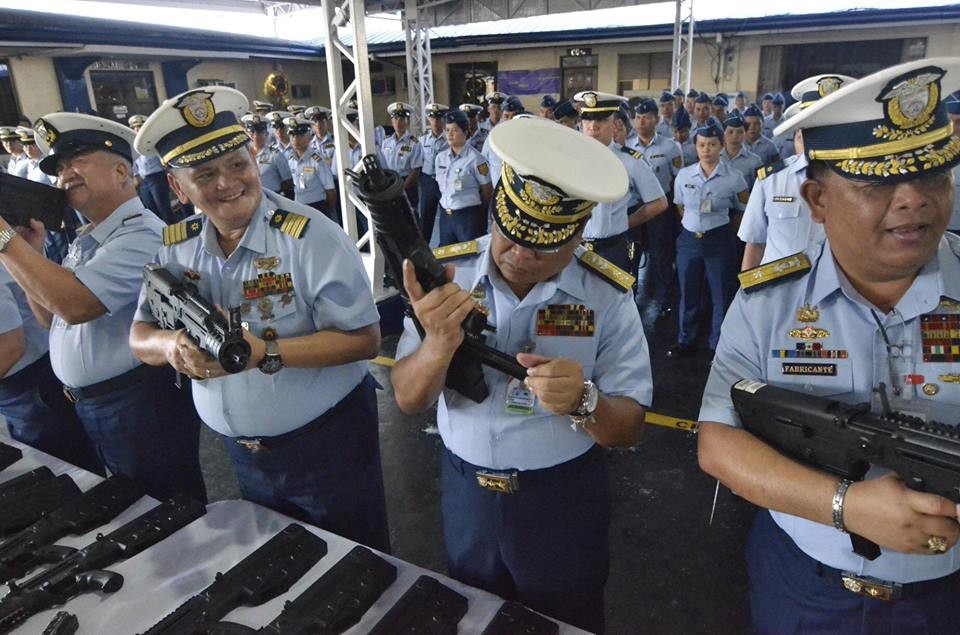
(120, 94)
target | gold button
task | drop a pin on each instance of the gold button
(930, 389)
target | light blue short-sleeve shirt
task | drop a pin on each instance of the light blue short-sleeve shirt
(845, 364)
(460, 176)
(664, 156)
(274, 167)
(402, 155)
(615, 356)
(108, 259)
(147, 164)
(610, 219)
(15, 313)
(311, 176)
(744, 162)
(763, 148)
(431, 147)
(708, 200)
(297, 286)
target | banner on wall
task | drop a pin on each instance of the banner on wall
(531, 82)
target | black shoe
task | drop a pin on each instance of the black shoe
(681, 350)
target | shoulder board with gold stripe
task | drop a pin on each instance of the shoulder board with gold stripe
(636, 154)
(767, 170)
(289, 222)
(776, 271)
(456, 250)
(612, 274)
(317, 157)
(179, 232)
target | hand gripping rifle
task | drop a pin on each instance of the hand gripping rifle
(175, 305)
(846, 440)
(399, 239)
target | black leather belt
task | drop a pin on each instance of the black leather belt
(119, 382)
(605, 243)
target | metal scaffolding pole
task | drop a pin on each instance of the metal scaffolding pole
(350, 14)
(682, 66)
(419, 66)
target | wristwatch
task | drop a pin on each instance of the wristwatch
(6, 236)
(271, 362)
(582, 417)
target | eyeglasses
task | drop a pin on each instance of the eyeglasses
(539, 250)
(894, 352)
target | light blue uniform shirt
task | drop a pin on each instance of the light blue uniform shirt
(478, 138)
(19, 166)
(355, 155)
(708, 201)
(326, 147)
(493, 160)
(15, 313)
(745, 162)
(664, 128)
(689, 149)
(108, 259)
(757, 327)
(431, 147)
(664, 156)
(34, 173)
(330, 291)
(460, 176)
(274, 167)
(610, 219)
(615, 358)
(955, 217)
(402, 155)
(778, 216)
(763, 148)
(147, 164)
(769, 125)
(311, 176)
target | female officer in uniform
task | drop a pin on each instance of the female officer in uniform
(464, 179)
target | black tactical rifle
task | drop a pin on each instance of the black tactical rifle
(11, 488)
(9, 455)
(22, 199)
(19, 511)
(263, 575)
(516, 618)
(82, 572)
(33, 546)
(426, 607)
(177, 304)
(846, 440)
(399, 239)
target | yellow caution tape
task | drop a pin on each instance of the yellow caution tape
(381, 360)
(671, 422)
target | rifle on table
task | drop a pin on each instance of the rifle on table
(263, 575)
(516, 618)
(426, 607)
(846, 440)
(398, 238)
(25, 507)
(82, 572)
(177, 304)
(22, 199)
(13, 487)
(33, 546)
(9, 455)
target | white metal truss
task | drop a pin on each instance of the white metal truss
(419, 66)
(349, 14)
(682, 65)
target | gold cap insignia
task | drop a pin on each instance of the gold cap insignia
(827, 85)
(909, 102)
(46, 131)
(590, 99)
(197, 108)
(806, 313)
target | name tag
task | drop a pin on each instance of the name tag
(809, 369)
(308, 170)
(783, 199)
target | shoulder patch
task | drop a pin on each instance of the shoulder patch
(316, 156)
(636, 154)
(678, 161)
(456, 250)
(289, 223)
(179, 232)
(743, 196)
(484, 168)
(775, 271)
(767, 170)
(612, 274)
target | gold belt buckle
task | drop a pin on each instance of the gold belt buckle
(500, 483)
(588, 245)
(448, 211)
(871, 587)
(698, 234)
(254, 445)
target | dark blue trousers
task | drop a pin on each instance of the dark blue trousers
(462, 225)
(38, 414)
(326, 472)
(661, 250)
(714, 257)
(791, 593)
(155, 196)
(148, 431)
(427, 207)
(545, 545)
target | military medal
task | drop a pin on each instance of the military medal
(266, 308)
(808, 333)
(190, 274)
(806, 313)
(268, 263)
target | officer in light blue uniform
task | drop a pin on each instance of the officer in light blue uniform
(681, 134)
(690, 100)
(31, 399)
(495, 102)
(300, 422)
(463, 176)
(777, 220)
(18, 165)
(279, 131)
(273, 165)
(755, 141)
(140, 424)
(735, 154)
(401, 152)
(667, 109)
(718, 108)
(153, 188)
(432, 142)
(312, 178)
(864, 317)
(707, 194)
(522, 482)
(566, 114)
(322, 135)
(476, 134)
(547, 105)
(775, 118)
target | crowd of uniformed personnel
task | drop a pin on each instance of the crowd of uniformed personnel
(836, 211)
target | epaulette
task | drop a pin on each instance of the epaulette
(767, 170)
(289, 222)
(774, 271)
(636, 154)
(179, 232)
(611, 273)
(317, 157)
(456, 250)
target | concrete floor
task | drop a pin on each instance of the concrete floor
(670, 573)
